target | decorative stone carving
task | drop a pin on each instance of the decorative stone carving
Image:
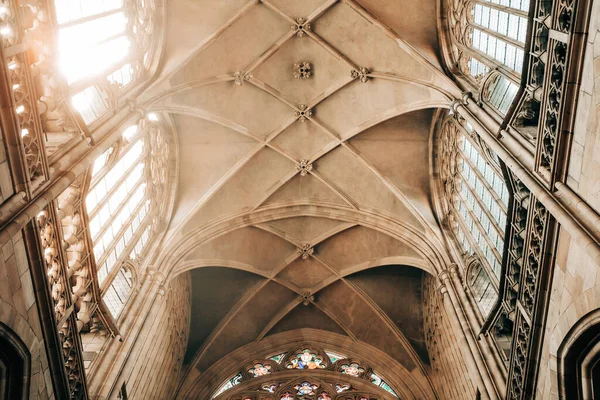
(304, 167)
(302, 70)
(56, 265)
(241, 76)
(306, 298)
(303, 113)
(301, 27)
(362, 74)
(305, 251)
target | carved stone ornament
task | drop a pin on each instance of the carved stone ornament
(305, 251)
(241, 76)
(303, 113)
(306, 298)
(301, 27)
(302, 70)
(362, 74)
(304, 167)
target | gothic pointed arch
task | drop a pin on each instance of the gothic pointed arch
(127, 204)
(579, 359)
(15, 366)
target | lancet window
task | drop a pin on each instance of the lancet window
(477, 198)
(125, 194)
(104, 47)
(488, 34)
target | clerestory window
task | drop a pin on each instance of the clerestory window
(477, 199)
(126, 190)
(488, 34)
(104, 46)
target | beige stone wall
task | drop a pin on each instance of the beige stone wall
(18, 311)
(575, 292)
(576, 281)
(158, 353)
(584, 164)
(448, 373)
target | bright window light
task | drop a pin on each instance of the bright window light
(130, 132)
(90, 48)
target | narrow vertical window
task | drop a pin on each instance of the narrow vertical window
(477, 198)
(126, 185)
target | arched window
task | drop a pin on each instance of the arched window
(477, 198)
(118, 292)
(488, 34)
(579, 359)
(104, 46)
(123, 203)
(15, 365)
(306, 361)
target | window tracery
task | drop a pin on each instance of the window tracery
(304, 389)
(127, 187)
(498, 92)
(477, 198)
(306, 359)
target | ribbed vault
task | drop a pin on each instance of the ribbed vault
(292, 190)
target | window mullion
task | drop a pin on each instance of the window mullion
(486, 60)
(127, 250)
(509, 10)
(475, 245)
(482, 231)
(483, 179)
(122, 151)
(103, 230)
(483, 207)
(119, 234)
(116, 187)
(490, 62)
(498, 35)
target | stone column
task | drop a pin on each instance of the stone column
(497, 374)
(112, 360)
(472, 357)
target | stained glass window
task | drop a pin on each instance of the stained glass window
(352, 369)
(259, 370)
(127, 183)
(306, 360)
(277, 358)
(342, 387)
(302, 385)
(235, 380)
(375, 379)
(334, 356)
(306, 388)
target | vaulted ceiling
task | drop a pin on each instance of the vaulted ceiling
(292, 189)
